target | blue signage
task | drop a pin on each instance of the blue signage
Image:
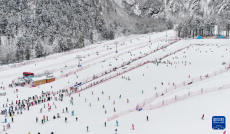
(218, 122)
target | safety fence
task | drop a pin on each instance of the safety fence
(185, 83)
(76, 65)
(177, 98)
(59, 55)
(111, 69)
(144, 105)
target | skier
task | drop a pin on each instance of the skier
(76, 118)
(44, 106)
(85, 99)
(102, 92)
(115, 131)
(65, 119)
(113, 102)
(92, 92)
(103, 106)
(147, 118)
(224, 132)
(114, 110)
(79, 95)
(47, 118)
(155, 88)
(162, 83)
(29, 132)
(98, 98)
(120, 96)
(44, 119)
(109, 97)
(87, 128)
(66, 109)
(105, 112)
(117, 122)
(90, 104)
(105, 124)
(133, 126)
(142, 91)
(127, 100)
(12, 118)
(36, 119)
(202, 117)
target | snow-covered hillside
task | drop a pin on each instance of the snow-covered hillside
(134, 82)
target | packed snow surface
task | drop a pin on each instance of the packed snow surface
(177, 118)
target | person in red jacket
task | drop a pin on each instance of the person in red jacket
(202, 117)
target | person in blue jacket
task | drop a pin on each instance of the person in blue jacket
(117, 122)
(87, 128)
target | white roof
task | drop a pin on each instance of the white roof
(21, 81)
(38, 78)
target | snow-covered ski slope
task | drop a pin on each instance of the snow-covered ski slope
(176, 118)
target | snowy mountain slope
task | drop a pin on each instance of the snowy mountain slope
(94, 116)
(143, 78)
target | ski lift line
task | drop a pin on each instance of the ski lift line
(121, 49)
(142, 56)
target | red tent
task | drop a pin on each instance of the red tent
(28, 73)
